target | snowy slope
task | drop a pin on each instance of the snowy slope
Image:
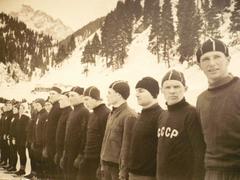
(43, 23)
(139, 63)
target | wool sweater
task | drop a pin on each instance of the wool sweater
(143, 149)
(219, 112)
(95, 131)
(61, 129)
(180, 144)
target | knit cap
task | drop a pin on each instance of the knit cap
(150, 84)
(121, 87)
(92, 92)
(57, 89)
(78, 90)
(174, 75)
(212, 45)
(40, 101)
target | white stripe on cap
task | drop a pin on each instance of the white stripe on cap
(214, 45)
(170, 75)
(117, 82)
(90, 90)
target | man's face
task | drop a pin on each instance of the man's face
(144, 97)
(64, 101)
(15, 110)
(38, 107)
(48, 106)
(53, 96)
(112, 97)
(173, 91)
(9, 106)
(214, 65)
(74, 98)
(90, 102)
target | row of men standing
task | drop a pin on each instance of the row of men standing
(154, 144)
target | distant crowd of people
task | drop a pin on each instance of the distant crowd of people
(73, 135)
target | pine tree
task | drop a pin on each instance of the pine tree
(137, 9)
(87, 55)
(107, 35)
(156, 32)
(235, 18)
(148, 12)
(71, 44)
(212, 19)
(96, 45)
(167, 29)
(186, 13)
(2, 47)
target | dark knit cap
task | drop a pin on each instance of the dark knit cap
(78, 90)
(40, 101)
(93, 92)
(174, 75)
(212, 45)
(150, 84)
(121, 87)
(57, 89)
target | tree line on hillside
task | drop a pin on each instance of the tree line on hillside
(194, 20)
(28, 48)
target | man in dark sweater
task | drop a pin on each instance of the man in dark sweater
(143, 151)
(95, 132)
(66, 108)
(6, 127)
(51, 127)
(75, 136)
(180, 141)
(38, 139)
(219, 111)
(12, 139)
(118, 133)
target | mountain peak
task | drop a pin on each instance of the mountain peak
(42, 22)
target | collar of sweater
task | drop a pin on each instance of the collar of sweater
(117, 109)
(153, 107)
(227, 82)
(99, 107)
(178, 105)
(78, 106)
(221, 82)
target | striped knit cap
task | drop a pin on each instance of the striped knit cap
(121, 87)
(174, 75)
(92, 92)
(211, 45)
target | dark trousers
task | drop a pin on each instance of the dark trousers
(87, 169)
(70, 172)
(222, 175)
(1, 146)
(21, 149)
(12, 155)
(5, 151)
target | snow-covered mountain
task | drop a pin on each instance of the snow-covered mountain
(42, 22)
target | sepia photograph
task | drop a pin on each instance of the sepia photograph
(120, 90)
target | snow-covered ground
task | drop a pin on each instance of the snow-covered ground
(139, 63)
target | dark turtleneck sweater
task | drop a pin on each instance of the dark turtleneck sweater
(61, 129)
(95, 131)
(75, 136)
(143, 149)
(219, 111)
(180, 144)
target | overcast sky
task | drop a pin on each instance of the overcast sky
(73, 13)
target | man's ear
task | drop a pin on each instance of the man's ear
(186, 88)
